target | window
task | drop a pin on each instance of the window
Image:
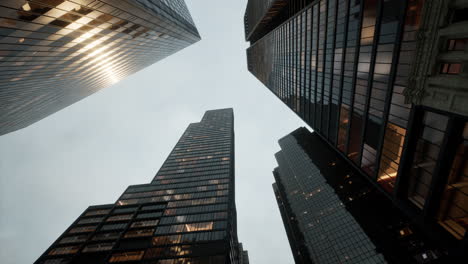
(149, 215)
(106, 236)
(57, 261)
(145, 223)
(426, 156)
(139, 233)
(98, 247)
(127, 256)
(90, 220)
(119, 217)
(391, 154)
(460, 15)
(125, 210)
(456, 44)
(82, 229)
(64, 250)
(97, 212)
(453, 210)
(114, 226)
(451, 68)
(73, 239)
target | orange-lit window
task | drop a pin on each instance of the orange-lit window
(451, 68)
(391, 155)
(139, 233)
(83, 229)
(453, 210)
(164, 240)
(343, 128)
(127, 256)
(64, 250)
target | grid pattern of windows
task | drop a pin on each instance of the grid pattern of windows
(53, 53)
(328, 228)
(189, 201)
(357, 72)
(345, 76)
(332, 214)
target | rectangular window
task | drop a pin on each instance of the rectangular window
(139, 233)
(426, 156)
(64, 250)
(106, 236)
(82, 229)
(456, 44)
(98, 247)
(97, 212)
(453, 210)
(451, 68)
(119, 218)
(73, 239)
(114, 226)
(145, 223)
(127, 256)
(343, 128)
(391, 154)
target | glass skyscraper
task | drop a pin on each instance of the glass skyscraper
(54, 53)
(333, 215)
(381, 82)
(187, 214)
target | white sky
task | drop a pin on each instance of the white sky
(88, 153)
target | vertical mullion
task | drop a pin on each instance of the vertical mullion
(355, 67)
(370, 79)
(389, 95)
(343, 63)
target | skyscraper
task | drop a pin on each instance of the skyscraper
(334, 215)
(187, 214)
(54, 53)
(381, 82)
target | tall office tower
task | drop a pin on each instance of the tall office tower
(382, 82)
(187, 214)
(333, 215)
(54, 53)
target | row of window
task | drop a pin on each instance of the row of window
(192, 227)
(195, 169)
(197, 158)
(213, 200)
(187, 177)
(183, 185)
(193, 218)
(189, 164)
(189, 238)
(176, 191)
(167, 252)
(196, 209)
(190, 156)
(169, 198)
(191, 152)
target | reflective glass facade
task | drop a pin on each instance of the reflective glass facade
(185, 215)
(54, 53)
(333, 215)
(351, 70)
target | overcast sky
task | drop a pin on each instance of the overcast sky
(88, 153)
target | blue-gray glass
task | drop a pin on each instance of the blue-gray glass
(54, 53)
